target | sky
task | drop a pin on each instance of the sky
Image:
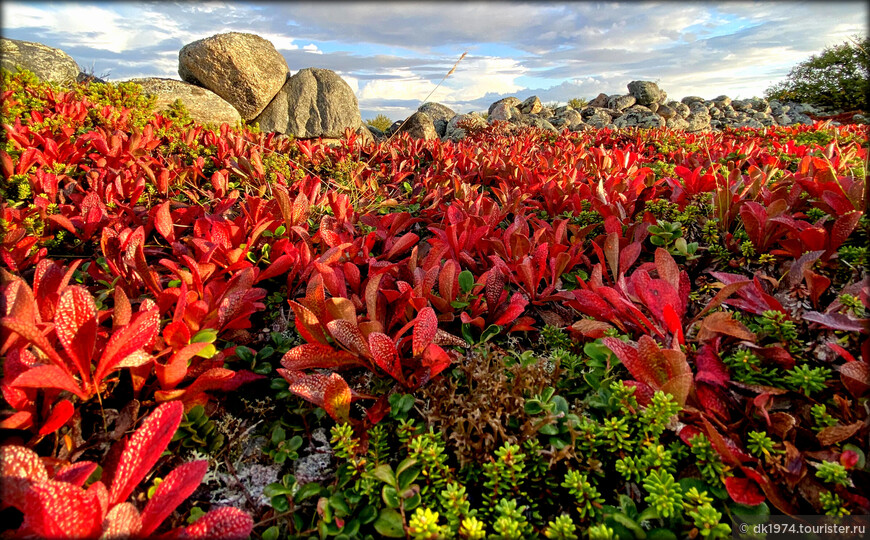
(393, 54)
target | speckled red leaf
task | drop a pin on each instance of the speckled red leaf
(175, 488)
(722, 322)
(163, 222)
(838, 321)
(316, 355)
(589, 303)
(59, 510)
(49, 376)
(349, 336)
(144, 448)
(19, 467)
(371, 296)
(856, 377)
(843, 227)
(424, 330)
(744, 491)
(226, 523)
(628, 355)
(176, 335)
(122, 521)
(436, 359)
(493, 288)
(137, 335)
(122, 312)
(308, 325)
(643, 392)
(385, 355)
(60, 413)
(328, 391)
(448, 280)
(76, 473)
(711, 400)
(172, 373)
(76, 325)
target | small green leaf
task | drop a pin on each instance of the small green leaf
(206, 335)
(466, 281)
(245, 354)
(389, 524)
(390, 496)
(384, 473)
(272, 533)
(307, 491)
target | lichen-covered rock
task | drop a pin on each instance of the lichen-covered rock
(531, 105)
(666, 112)
(698, 121)
(510, 101)
(639, 116)
(621, 102)
(312, 103)
(598, 117)
(419, 126)
(537, 122)
(203, 105)
(504, 112)
(688, 100)
(440, 115)
(677, 122)
(47, 63)
(244, 69)
(645, 92)
(600, 101)
(455, 131)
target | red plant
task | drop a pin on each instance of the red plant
(59, 507)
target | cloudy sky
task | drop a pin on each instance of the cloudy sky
(393, 54)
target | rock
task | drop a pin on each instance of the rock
(504, 112)
(540, 123)
(599, 117)
(84, 78)
(312, 103)
(645, 92)
(750, 123)
(571, 117)
(244, 69)
(420, 126)
(698, 107)
(393, 127)
(639, 116)
(204, 106)
(677, 122)
(666, 112)
(455, 127)
(531, 105)
(599, 101)
(440, 115)
(860, 119)
(691, 99)
(546, 112)
(654, 107)
(511, 101)
(698, 121)
(621, 102)
(47, 63)
(375, 132)
(681, 108)
(722, 101)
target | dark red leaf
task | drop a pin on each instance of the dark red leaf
(175, 488)
(744, 491)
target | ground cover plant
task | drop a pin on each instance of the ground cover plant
(208, 331)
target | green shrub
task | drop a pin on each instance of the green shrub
(381, 122)
(838, 77)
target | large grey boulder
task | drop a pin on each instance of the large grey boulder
(510, 101)
(540, 123)
(47, 63)
(419, 126)
(440, 115)
(639, 116)
(698, 121)
(244, 69)
(598, 118)
(204, 106)
(599, 101)
(666, 112)
(645, 92)
(455, 131)
(312, 103)
(677, 122)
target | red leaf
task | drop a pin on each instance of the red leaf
(46, 376)
(19, 467)
(744, 491)
(385, 354)
(349, 336)
(31, 333)
(137, 335)
(76, 326)
(667, 268)
(163, 222)
(173, 372)
(226, 523)
(308, 325)
(856, 377)
(175, 488)
(122, 521)
(722, 322)
(76, 473)
(838, 321)
(144, 448)
(514, 309)
(403, 244)
(328, 391)
(711, 368)
(316, 355)
(495, 282)
(59, 510)
(425, 330)
(60, 413)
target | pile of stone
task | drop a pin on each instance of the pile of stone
(237, 77)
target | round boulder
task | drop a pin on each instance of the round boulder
(47, 63)
(510, 101)
(244, 69)
(455, 127)
(203, 105)
(645, 92)
(531, 105)
(312, 103)
(440, 115)
(419, 126)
